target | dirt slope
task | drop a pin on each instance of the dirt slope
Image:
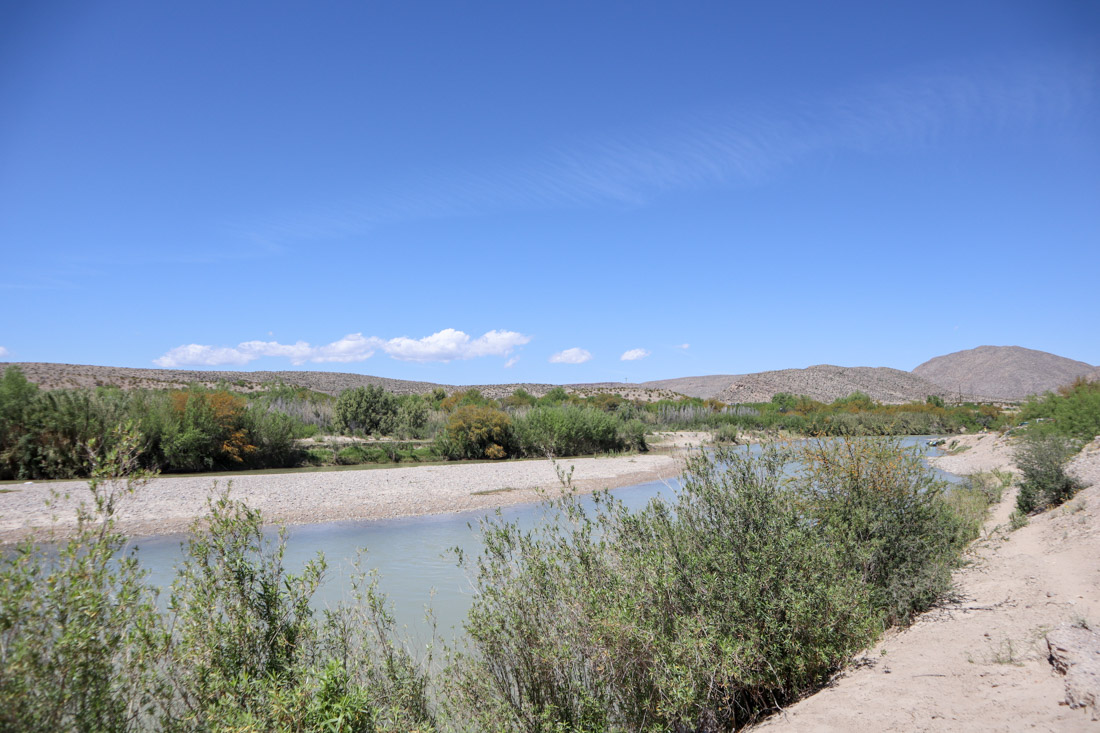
(1004, 372)
(981, 664)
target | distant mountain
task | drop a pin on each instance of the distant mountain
(65, 376)
(826, 383)
(984, 373)
(1004, 372)
(822, 382)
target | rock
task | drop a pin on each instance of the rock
(1075, 652)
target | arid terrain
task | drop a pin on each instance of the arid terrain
(1002, 372)
(987, 373)
(982, 662)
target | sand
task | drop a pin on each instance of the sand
(171, 504)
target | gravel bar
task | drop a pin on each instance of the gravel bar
(170, 504)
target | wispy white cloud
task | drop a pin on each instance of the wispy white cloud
(3, 352)
(446, 345)
(749, 144)
(683, 346)
(511, 362)
(571, 356)
(634, 355)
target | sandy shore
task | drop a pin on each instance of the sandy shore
(981, 663)
(170, 504)
(977, 453)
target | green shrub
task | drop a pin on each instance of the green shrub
(412, 416)
(475, 431)
(367, 410)
(84, 648)
(632, 435)
(570, 430)
(1044, 482)
(79, 632)
(726, 434)
(887, 513)
(697, 616)
(1073, 412)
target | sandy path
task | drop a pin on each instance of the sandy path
(170, 504)
(981, 664)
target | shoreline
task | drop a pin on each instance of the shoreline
(170, 505)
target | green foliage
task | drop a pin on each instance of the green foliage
(784, 401)
(752, 588)
(519, 398)
(886, 512)
(42, 432)
(471, 397)
(367, 410)
(79, 631)
(555, 396)
(475, 431)
(412, 416)
(1073, 412)
(83, 646)
(1042, 462)
(569, 430)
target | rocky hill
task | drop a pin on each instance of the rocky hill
(826, 383)
(1004, 372)
(62, 376)
(987, 373)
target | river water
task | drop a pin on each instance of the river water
(412, 554)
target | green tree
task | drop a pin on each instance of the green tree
(412, 415)
(371, 410)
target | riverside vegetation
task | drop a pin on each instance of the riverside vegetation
(1055, 425)
(200, 429)
(752, 587)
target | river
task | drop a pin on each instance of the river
(412, 554)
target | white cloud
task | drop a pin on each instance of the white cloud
(683, 346)
(511, 362)
(3, 352)
(571, 356)
(634, 355)
(450, 344)
(198, 355)
(443, 346)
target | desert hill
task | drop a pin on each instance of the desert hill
(824, 383)
(1004, 372)
(987, 373)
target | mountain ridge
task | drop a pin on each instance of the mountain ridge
(985, 373)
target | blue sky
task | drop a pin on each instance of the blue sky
(555, 192)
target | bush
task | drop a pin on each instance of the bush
(887, 513)
(476, 432)
(1044, 482)
(412, 416)
(570, 430)
(84, 648)
(368, 410)
(79, 630)
(699, 616)
(1074, 412)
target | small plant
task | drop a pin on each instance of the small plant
(1016, 520)
(1044, 482)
